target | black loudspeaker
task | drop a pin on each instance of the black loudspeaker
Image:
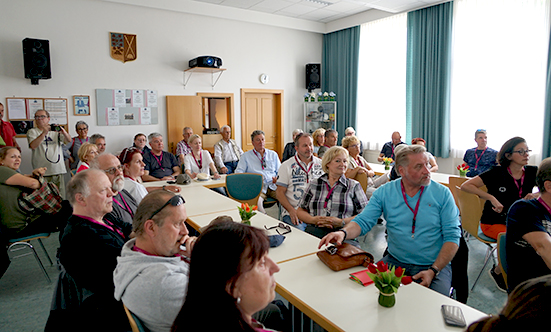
(36, 57)
(313, 76)
(206, 61)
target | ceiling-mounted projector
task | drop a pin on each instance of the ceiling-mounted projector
(207, 61)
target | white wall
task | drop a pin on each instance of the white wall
(78, 31)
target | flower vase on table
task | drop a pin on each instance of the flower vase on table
(387, 282)
(387, 162)
(463, 169)
(246, 212)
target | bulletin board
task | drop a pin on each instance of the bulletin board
(121, 107)
(20, 112)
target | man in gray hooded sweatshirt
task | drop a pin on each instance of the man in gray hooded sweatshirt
(152, 273)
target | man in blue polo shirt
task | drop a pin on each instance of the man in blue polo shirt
(422, 222)
(159, 164)
(481, 158)
(262, 161)
(388, 149)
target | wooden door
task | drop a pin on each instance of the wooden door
(182, 111)
(262, 109)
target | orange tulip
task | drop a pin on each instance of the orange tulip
(255, 207)
(243, 206)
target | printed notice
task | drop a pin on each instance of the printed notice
(16, 109)
(145, 115)
(119, 98)
(112, 116)
(34, 105)
(137, 98)
(151, 98)
(57, 109)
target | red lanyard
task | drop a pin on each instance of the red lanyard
(329, 194)
(107, 224)
(81, 140)
(125, 207)
(544, 204)
(305, 171)
(262, 162)
(516, 183)
(478, 158)
(200, 162)
(159, 160)
(416, 207)
(359, 162)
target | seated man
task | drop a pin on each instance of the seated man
(481, 158)
(88, 254)
(388, 149)
(124, 205)
(289, 150)
(331, 138)
(159, 164)
(99, 140)
(183, 148)
(421, 219)
(294, 177)
(226, 152)
(528, 242)
(262, 161)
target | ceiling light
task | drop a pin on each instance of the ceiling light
(320, 2)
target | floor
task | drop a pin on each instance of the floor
(25, 295)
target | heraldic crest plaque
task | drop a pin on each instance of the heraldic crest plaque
(123, 47)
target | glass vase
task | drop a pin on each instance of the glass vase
(387, 167)
(462, 173)
(246, 222)
(387, 300)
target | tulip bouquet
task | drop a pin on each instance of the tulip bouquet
(246, 212)
(387, 281)
(463, 168)
(387, 161)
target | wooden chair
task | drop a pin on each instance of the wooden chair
(455, 185)
(17, 244)
(502, 255)
(471, 207)
(362, 179)
(135, 323)
(244, 187)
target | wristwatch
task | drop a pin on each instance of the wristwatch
(435, 270)
(345, 233)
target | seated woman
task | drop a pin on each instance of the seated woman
(133, 168)
(140, 142)
(241, 284)
(17, 222)
(432, 160)
(86, 153)
(512, 180)
(356, 163)
(319, 139)
(199, 160)
(332, 200)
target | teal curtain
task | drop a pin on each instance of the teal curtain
(339, 69)
(428, 77)
(546, 148)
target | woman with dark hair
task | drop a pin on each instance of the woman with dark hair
(237, 286)
(527, 308)
(508, 182)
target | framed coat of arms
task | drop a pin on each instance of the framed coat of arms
(123, 46)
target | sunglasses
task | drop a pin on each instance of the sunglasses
(127, 151)
(286, 227)
(175, 200)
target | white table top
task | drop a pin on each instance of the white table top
(201, 200)
(339, 304)
(194, 183)
(296, 244)
(442, 178)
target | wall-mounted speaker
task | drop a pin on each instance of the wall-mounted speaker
(36, 58)
(313, 76)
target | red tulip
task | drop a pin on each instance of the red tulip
(243, 206)
(255, 207)
(372, 268)
(382, 267)
(466, 167)
(406, 280)
(398, 272)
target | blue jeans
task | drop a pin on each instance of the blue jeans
(441, 283)
(231, 166)
(287, 220)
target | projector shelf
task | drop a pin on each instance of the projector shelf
(212, 71)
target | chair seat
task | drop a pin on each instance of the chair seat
(484, 237)
(29, 237)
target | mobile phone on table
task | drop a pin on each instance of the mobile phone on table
(453, 316)
(171, 182)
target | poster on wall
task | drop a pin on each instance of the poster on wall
(134, 107)
(112, 116)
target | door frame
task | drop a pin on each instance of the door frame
(278, 97)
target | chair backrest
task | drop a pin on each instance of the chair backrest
(135, 323)
(502, 255)
(362, 179)
(244, 187)
(455, 185)
(471, 207)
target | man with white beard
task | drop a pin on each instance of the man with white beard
(124, 205)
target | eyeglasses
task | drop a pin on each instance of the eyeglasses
(175, 200)
(522, 152)
(40, 117)
(82, 129)
(113, 170)
(286, 227)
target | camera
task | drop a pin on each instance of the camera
(56, 127)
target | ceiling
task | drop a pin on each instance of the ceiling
(322, 11)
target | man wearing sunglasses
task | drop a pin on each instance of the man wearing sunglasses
(152, 273)
(124, 205)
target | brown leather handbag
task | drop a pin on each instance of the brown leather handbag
(344, 256)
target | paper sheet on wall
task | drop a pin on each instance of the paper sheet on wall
(119, 98)
(151, 98)
(57, 109)
(145, 115)
(137, 98)
(34, 105)
(112, 116)
(16, 109)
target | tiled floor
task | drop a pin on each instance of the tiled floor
(25, 295)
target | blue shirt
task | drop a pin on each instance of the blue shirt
(486, 161)
(267, 165)
(437, 221)
(160, 166)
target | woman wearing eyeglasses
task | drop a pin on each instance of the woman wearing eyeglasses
(511, 180)
(199, 160)
(133, 168)
(82, 137)
(356, 163)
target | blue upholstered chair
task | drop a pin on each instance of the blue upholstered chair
(244, 187)
(502, 255)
